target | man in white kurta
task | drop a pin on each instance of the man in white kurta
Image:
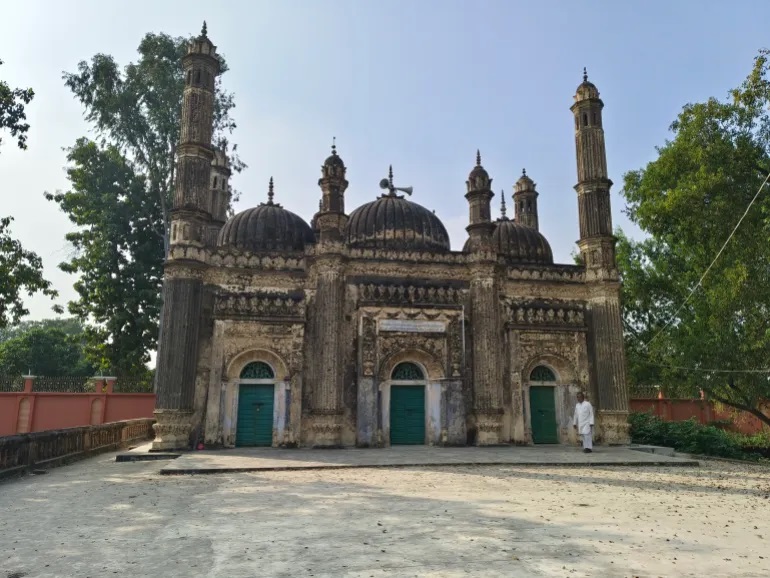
(584, 422)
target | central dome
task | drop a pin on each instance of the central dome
(392, 222)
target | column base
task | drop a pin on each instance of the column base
(613, 428)
(489, 428)
(323, 430)
(172, 429)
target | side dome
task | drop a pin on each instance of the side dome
(392, 222)
(267, 227)
(521, 244)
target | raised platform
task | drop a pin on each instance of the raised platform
(273, 459)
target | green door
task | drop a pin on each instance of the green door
(542, 405)
(255, 415)
(407, 414)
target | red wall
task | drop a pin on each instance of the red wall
(704, 411)
(38, 411)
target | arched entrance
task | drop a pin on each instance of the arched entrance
(542, 405)
(407, 404)
(256, 395)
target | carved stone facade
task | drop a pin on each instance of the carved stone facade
(349, 319)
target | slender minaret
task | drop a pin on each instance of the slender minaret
(479, 196)
(484, 308)
(525, 201)
(324, 419)
(177, 358)
(597, 249)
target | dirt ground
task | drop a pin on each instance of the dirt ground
(101, 518)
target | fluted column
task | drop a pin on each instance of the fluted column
(487, 366)
(326, 411)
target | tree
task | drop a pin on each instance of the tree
(20, 272)
(12, 115)
(688, 201)
(45, 349)
(69, 325)
(122, 185)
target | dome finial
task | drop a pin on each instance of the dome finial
(585, 74)
(502, 205)
(334, 146)
(523, 172)
(390, 177)
(478, 158)
(204, 30)
(270, 192)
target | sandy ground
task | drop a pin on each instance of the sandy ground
(98, 518)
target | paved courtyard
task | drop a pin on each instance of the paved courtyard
(101, 518)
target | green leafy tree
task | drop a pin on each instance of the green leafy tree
(121, 191)
(689, 200)
(20, 271)
(45, 350)
(69, 325)
(12, 115)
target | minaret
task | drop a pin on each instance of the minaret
(331, 219)
(479, 196)
(484, 308)
(219, 195)
(322, 427)
(177, 358)
(597, 244)
(525, 201)
(597, 248)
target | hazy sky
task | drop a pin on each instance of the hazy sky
(420, 84)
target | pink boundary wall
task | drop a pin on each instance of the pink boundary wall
(29, 411)
(704, 411)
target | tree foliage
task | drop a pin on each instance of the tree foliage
(21, 272)
(12, 114)
(54, 347)
(689, 200)
(121, 191)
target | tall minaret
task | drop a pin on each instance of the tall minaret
(479, 196)
(525, 201)
(484, 308)
(597, 244)
(322, 426)
(597, 248)
(177, 358)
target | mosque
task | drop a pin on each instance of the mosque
(364, 328)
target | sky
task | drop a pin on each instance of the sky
(419, 84)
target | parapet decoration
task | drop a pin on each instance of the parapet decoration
(550, 315)
(265, 305)
(409, 294)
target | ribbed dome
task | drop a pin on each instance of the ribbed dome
(520, 243)
(268, 227)
(392, 222)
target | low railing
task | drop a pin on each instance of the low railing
(19, 453)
